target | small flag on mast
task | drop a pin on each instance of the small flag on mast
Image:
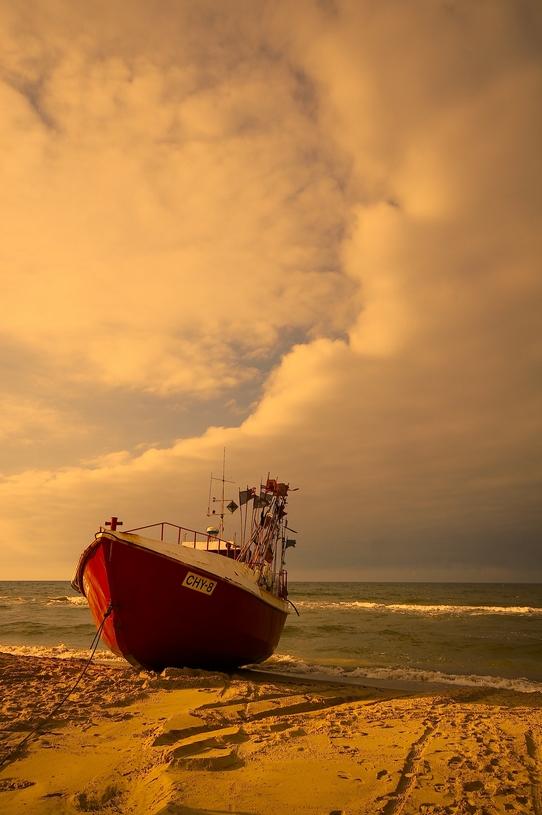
(245, 496)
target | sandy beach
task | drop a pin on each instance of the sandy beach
(197, 742)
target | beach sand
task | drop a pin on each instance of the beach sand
(197, 742)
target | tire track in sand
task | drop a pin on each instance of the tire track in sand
(532, 768)
(408, 775)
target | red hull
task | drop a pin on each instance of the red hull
(157, 622)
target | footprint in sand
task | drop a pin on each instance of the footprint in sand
(214, 760)
(280, 726)
(11, 784)
(473, 786)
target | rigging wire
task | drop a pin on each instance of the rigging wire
(38, 727)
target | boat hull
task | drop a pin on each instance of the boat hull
(168, 612)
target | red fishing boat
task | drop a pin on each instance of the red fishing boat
(166, 596)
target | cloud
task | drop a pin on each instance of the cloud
(324, 215)
(166, 225)
(28, 420)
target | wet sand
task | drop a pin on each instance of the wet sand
(196, 742)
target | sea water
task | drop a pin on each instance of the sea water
(456, 633)
(460, 633)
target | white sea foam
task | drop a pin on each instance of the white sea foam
(60, 651)
(419, 608)
(70, 600)
(289, 664)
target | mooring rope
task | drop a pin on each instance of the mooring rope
(294, 608)
(38, 727)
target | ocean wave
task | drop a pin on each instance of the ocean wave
(419, 608)
(67, 600)
(61, 651)
(288, 664)
(70, 600)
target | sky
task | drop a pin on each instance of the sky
(308, 233)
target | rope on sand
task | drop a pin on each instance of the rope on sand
(38, 727)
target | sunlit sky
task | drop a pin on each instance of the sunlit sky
(307, 232)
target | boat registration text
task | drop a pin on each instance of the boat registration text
(199, 583)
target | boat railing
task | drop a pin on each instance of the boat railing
(190, 537)
(283, 584)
